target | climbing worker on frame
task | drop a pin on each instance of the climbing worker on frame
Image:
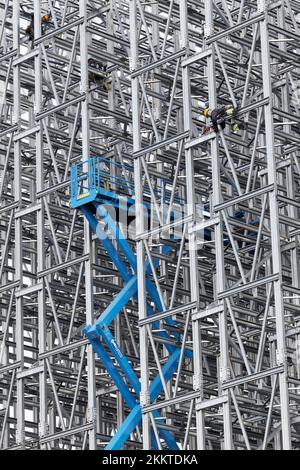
(98, 74)
(240, 215)
(243, 231)
(45, 19)
(219, 117)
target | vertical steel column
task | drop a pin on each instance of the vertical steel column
(192, 238)
(224, 371)
(87, 231)
(140, 227)
(4, 356)
(18, 227)
(275, 226)
(114, 171)
(40, 226)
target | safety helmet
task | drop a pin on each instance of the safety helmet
(206, 112)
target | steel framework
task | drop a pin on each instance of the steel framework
(175, 331)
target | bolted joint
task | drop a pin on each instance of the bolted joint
(91, 415)
(144, 399)
(20, 436)
(224, 374)
(207, 31)
(15, 118)
(198, 382)
(131, 64)
(281, 357)
(83, 89)
(43, 429)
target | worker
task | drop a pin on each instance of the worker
(240, 215)
(30, 28)
(98, 75)
(219, 116)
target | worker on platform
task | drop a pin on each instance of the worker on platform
(45, 19)
(98, 74)
(219, 117)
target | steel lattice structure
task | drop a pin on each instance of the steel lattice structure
(195, 321)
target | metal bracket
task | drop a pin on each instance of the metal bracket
(43, 429)
(207, 31)
(224, 374)
(15, 119)
(91, 415)
(20, 436)
(144, 399)
(130, 64)
(198, 382)
(281, 357)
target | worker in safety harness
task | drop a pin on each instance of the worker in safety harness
(45, 19)
(219, 117)
(98, 75)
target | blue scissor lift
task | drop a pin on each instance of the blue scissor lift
(96, 185)
(94, 188)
